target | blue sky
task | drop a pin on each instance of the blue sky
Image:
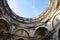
(28, 8)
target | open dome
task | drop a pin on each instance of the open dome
(28, 8)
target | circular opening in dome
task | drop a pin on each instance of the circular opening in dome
(28, 8)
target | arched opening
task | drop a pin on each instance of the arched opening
(21, 34)
(40, 33)
(28, 9)
(3, 25)
(20, 39)
(4, 29)
(59, 35)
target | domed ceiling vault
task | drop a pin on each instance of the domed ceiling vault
(43, 18)
(46, 16)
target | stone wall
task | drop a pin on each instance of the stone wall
(44, 27)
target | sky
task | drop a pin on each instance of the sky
(28, 8)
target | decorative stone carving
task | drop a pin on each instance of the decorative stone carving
(42, 33)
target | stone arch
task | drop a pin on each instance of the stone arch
(4, 25)
(56, 19)
(22, 34)
(4, 30)
(40, 33)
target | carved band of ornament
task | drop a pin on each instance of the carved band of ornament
(23, 34)
(55, 20)
(51, 6)
(16, 17)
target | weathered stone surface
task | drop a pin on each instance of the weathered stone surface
(43, 27)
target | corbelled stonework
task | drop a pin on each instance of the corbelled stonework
(44, 27)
